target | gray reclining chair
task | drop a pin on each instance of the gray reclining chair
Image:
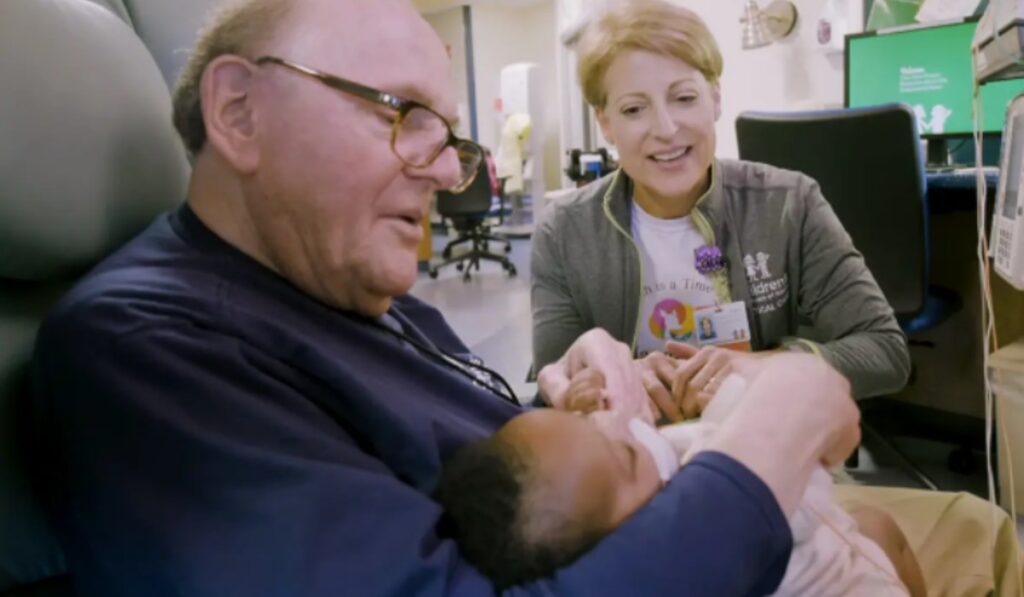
(168, 28)
(88, 157)
(117, 7)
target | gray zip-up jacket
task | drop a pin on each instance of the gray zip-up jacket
(787, 257)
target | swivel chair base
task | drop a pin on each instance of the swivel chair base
(487, 238)
(465, 262)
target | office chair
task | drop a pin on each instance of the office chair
(869, 165)
(468, 212)
(88, 157)
(483, 175)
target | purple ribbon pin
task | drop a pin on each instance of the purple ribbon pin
(708, 259)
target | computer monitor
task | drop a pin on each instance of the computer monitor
(928, 68)
(1008, 217)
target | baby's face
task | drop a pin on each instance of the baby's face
(592, 466)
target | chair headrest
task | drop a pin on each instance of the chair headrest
(117, 7)
(88, 155)
(169, 29)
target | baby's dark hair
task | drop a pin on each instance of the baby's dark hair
(494, 508)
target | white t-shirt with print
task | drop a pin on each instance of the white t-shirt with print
(672, 286)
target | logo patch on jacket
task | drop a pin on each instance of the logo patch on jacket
(767, 291)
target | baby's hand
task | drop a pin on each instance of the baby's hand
(587, 392)
(597, 350)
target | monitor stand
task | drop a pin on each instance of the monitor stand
(938, 154)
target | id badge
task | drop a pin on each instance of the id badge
(723, 325)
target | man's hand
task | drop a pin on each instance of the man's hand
(797, 414)
(597, 351)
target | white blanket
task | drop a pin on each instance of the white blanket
(830, 557)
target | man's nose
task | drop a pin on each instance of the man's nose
(444, 172)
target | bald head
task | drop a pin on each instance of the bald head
(338, 33)
(374, 43)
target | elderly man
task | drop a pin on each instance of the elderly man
(245, 402)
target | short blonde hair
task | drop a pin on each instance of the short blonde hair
(655, 26)
(233, 28)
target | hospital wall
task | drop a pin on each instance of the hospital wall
(503, 34)
(793, 74)
(448, 23)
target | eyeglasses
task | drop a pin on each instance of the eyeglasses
(419, 134)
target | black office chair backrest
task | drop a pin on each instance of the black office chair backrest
(868, 162)
(474, 201)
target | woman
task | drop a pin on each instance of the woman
(676, 230)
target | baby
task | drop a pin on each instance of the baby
(550, 484)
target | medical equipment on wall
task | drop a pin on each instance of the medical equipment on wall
(832, 26)
(996, 52)
(998, 46)
(520, 156)
(513, 151)
(1008, 217)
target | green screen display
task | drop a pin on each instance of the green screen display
(929, 69)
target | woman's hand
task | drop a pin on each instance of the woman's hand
(699, 375)
(657, 370)
(682, 380)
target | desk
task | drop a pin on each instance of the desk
(956, 190)
(961, 180)
(425, 250)
(948, 363)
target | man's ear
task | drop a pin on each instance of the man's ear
(606, 129)
(225, 93)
